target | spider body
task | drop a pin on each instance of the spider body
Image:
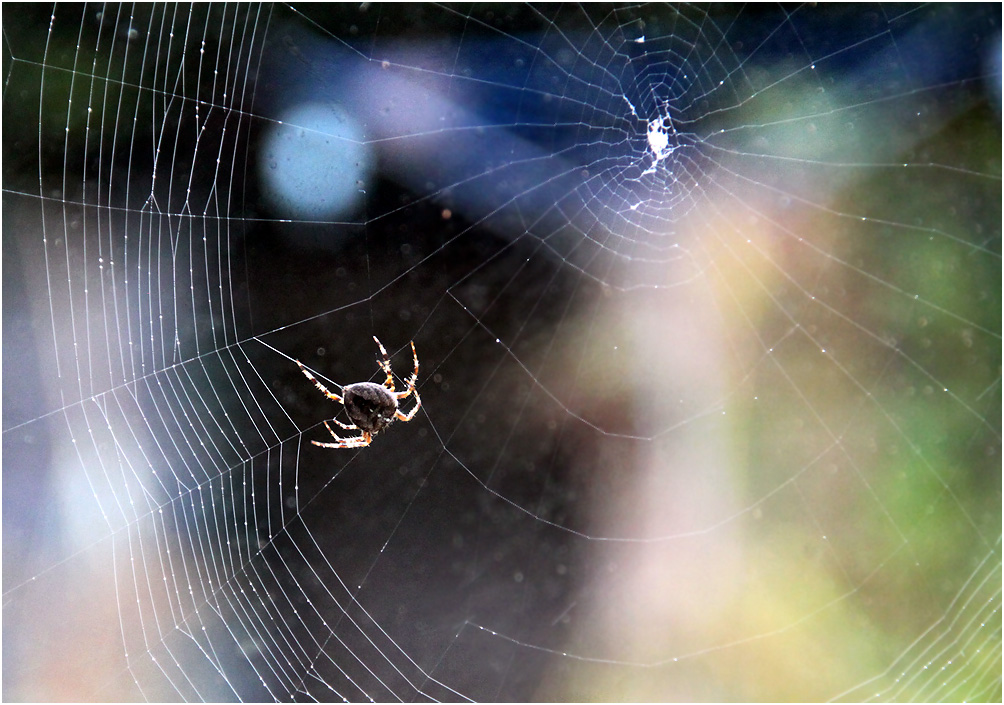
(371, 407)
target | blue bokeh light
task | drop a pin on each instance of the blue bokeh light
(314, 163)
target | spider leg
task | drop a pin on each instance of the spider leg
(385, 366)
(358, 442)
(346, 426)
(354, 442)
(414, 376)
(411, 414)
(329, 395)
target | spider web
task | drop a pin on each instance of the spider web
(707, 306)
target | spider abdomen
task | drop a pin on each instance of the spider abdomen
(370, 406)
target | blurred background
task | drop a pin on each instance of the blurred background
(707, 303)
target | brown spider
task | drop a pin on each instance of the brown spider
(371, 407)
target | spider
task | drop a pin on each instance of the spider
(371, 407)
